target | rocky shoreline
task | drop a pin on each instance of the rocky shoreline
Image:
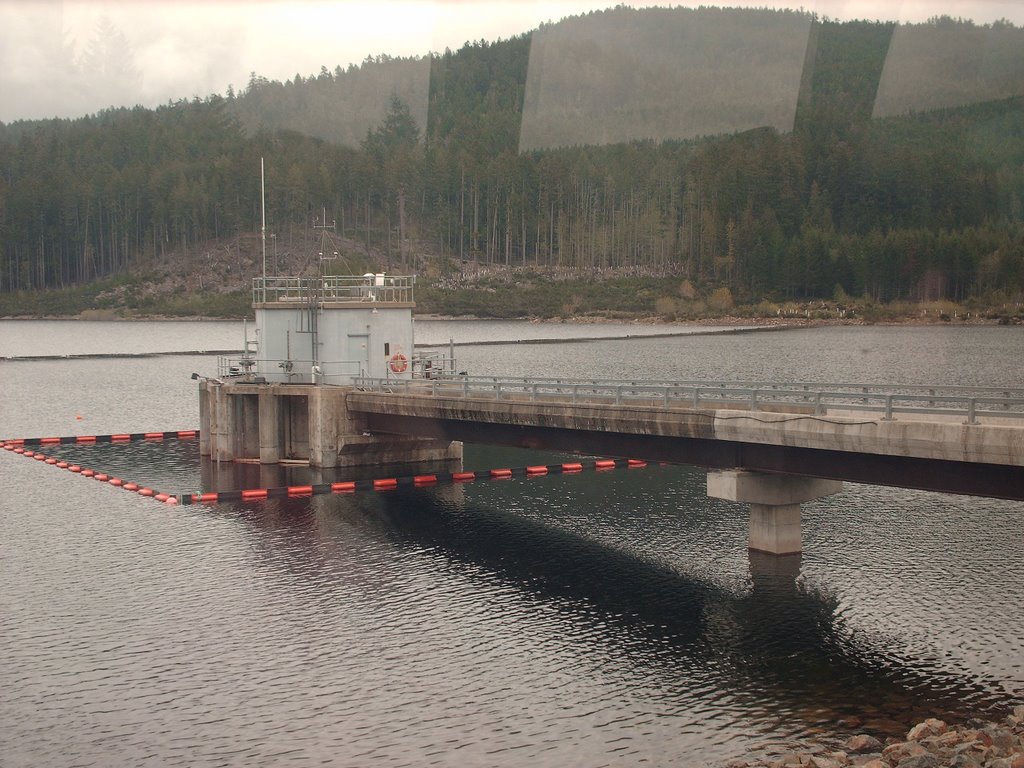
(930, 744)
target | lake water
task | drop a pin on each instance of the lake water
(595, 619)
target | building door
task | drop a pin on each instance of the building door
(358, 355)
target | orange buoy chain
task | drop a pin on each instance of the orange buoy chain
(351, 486)
(24, 446)
(409, 481)
(183, 434)
(17, 446)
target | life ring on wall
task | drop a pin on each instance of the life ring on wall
(399, 363)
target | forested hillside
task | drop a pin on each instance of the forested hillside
(923, 206)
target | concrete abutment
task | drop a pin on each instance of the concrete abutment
(270, 423)
(774, 504)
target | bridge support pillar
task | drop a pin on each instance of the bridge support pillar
(774, 504)
(270, 427)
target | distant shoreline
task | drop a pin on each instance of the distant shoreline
(761, 323)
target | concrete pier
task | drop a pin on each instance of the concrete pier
(774, 504)
(272, 423)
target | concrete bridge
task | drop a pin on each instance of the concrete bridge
(770, 446)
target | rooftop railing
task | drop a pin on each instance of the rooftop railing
(333, 289)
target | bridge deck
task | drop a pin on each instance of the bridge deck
(968, 442)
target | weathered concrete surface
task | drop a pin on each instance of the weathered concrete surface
(982, 459)
(774, 505)
(973, 443)
(768, 490)
(588, 417)
(274, 422)
(977, 443)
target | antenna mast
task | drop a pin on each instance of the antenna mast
(263, 216)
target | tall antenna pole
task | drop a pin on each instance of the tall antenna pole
(263, 214)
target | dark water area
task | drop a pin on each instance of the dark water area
(611, 618)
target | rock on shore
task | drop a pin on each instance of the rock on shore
(931, 744)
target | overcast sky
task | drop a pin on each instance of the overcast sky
(52, 63)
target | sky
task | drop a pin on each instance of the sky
(66, 58)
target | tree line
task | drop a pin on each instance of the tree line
(927, 205)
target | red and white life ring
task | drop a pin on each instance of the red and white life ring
(399, 363)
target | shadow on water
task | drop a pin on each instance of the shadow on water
(775, 651)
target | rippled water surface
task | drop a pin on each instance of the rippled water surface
(595, 619)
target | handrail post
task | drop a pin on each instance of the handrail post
(971, 407)
(753, 399)
(888, 408)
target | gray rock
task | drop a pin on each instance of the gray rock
(862, 743)
(920, 761)
(965, 760)
(1002, 739)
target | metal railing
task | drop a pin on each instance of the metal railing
(344, 289)
(340, 372)
(435, 365)
(969, 403)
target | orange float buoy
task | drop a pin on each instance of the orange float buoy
(116, 482)
(421, 480)
(463, 477)
(254, 493)
(572, 467)
(171, 501)
(101, 477)
(501, 474)
(87, 473)
(539, 469)
(78, 417)
(385, 484)
(348, 487)
(74, 468)
(161, 497)
(145, 491)
(300, 490)
(636, 463)
(130, 486)
(206, 498)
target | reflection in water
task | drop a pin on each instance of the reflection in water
(775, 653)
